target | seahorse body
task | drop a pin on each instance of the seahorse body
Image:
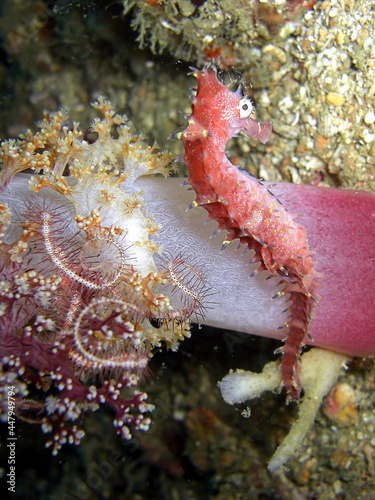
(246, 209)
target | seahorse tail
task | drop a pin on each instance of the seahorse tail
(297, 331)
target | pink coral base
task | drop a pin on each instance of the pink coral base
(341, 228)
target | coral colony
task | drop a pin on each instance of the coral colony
(83, 303)
(101, 263)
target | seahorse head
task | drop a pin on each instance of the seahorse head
(243, 121)
(225, 113)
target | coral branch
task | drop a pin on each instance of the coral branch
(319, 371)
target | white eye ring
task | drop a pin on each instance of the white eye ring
(246, 107)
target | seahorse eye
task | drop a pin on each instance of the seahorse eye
(245, 107)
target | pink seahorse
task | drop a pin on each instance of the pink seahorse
(246, 209)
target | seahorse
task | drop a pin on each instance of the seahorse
(246, 209)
